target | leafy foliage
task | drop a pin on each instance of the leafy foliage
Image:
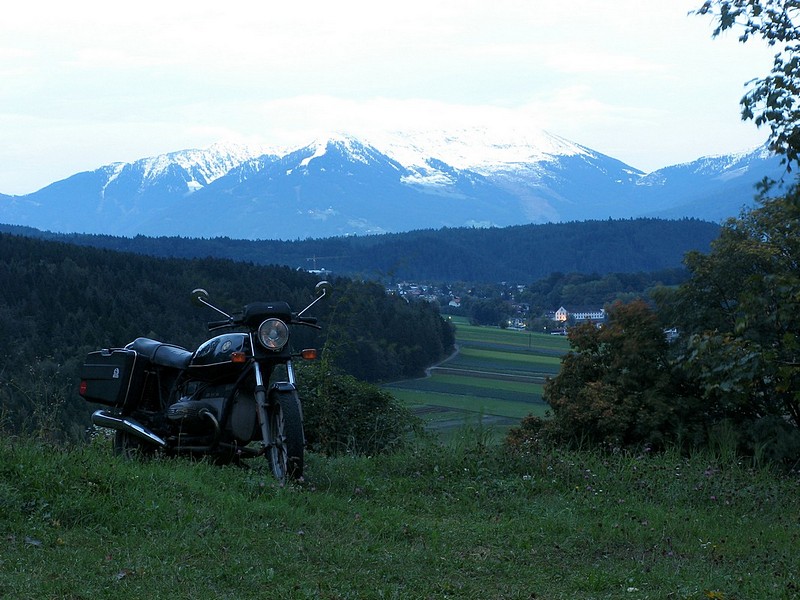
(532, 436)
(614, 386)
(494, 311)
(576, 290)
(739, 317)
(735, 366)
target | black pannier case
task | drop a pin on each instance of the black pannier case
(112, 377)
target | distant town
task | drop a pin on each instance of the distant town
(498, 305)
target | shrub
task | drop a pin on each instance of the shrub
(615, 385)
(345, 415)
(773, 440)
(532, 435)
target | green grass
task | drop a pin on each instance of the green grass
(461, 520)
(509, 338)
(489, 388)
(497, 375)
(474, 404)
(517, 389)
(505, 361)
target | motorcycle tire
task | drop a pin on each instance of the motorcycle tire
(285, 456)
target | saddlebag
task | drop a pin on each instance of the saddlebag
(114, 377)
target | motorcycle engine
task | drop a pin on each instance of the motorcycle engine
(193, 413)
(196, 416)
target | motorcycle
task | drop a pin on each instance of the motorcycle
(234, 397)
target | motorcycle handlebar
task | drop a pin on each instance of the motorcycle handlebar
(305, 320)
(310, 321)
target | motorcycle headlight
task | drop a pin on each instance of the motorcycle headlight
(273, 334)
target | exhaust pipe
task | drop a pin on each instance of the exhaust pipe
(102, 418)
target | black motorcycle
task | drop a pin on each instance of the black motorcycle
(234, 397)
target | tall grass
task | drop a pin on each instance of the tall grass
(463, 519)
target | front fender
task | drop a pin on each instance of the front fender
(283, 386)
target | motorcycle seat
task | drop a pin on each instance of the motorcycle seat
(162, 354)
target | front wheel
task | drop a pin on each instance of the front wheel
(285, 453)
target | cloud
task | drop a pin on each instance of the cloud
(93, 82)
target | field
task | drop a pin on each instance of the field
(496, 376)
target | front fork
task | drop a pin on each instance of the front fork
(262, 403)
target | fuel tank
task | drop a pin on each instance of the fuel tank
(213, 359)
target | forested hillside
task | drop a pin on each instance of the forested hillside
(61, 297)
(59, 301)
(523, 253)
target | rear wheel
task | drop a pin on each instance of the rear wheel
(285, 454)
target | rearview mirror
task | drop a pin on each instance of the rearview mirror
(322, 288)
(199, 297)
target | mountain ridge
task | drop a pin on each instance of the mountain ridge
(345, 184)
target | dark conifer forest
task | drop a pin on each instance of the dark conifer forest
(520, 254)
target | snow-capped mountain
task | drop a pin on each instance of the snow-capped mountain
(388, 182)
(118, 198)
(711, 188)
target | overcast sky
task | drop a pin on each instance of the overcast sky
(88, 83)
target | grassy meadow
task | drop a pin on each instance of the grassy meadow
(496, 377)
(458, 520)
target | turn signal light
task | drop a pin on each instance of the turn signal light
(238, 357)
(309, 354)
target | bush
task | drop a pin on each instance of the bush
(531, 435)
(615, 385)
(772, 439)
(345, 415)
